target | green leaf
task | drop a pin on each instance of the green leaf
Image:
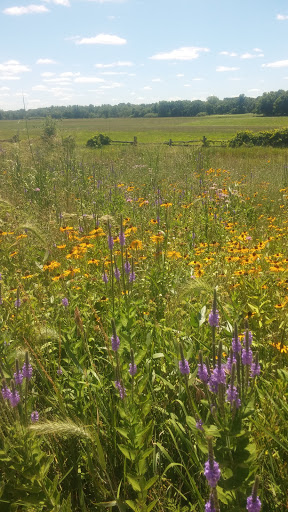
(134, 482)
(151, 482)
(127, 452)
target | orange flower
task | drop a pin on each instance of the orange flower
(174, 255)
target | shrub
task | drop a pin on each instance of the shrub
(275, 138)
(98, 141)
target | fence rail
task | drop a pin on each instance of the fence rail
(182, 143)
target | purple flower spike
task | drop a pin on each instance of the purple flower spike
(203, 373)
(122, 239)
(232, 396)
(132, 277)
(253, 506)
(34, 416)
(65, 302)
(110, 242)
(255, 369)
(132, 369)
(214, 318)
(184, 367)
(127, 267)
(105, 278)
(27, 371)
(117, 274)
(115, 342)
(236, 345)
(217, 377)
(18, 377)
(209, 507)
(14, 398)
(247, 357)
(212, 472)
(6, 393)
(121, 389)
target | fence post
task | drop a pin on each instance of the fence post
(135, 141)
(170, 142)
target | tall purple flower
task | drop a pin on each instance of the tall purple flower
(17, 303)
(27, 369)
(209, 506)
(203, 372)
(132, 369)
(115, 342)
(184, 367)
(255, 369)
(236, 345)
(117, 274)
(121, 389)
(6, 392)
(232, 396)
(65, 302)
(122, 238)
(212, 472)
(217, 377)
(253, 501)
(105, 277)
(132, 277)
(247, 357)
(18, 377)
(34, 416)
(14, 398)
(214, 318)
(127, 267)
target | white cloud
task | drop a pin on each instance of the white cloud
(4, 88)
(113, 73)
(282, 17)
(220, 69)
(69, 74)
(107, 1)
(65, 3)
(47, 74)
(184, 53)
(156, 80)
(113, 85)
(180, 75)
(46, 61)
(39, 88)
(276, 64)
(147, 88)
(102, 39)
(13, 67)
(88, 80)
(29, 9)
(228, 54)
(251, 55)
(9, 77)
(257, 50)
(197, 79)
(119, 63)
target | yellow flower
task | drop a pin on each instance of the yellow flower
(136, 244)
(174, 255)
(157, 238)
(51, 265)
(282, 348)
(166, 205)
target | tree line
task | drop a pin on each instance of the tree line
(269, 104)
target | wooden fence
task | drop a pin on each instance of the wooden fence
(204, 142)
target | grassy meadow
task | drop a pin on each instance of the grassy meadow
(143, 308)
(148, 130)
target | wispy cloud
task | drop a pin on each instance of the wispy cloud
(276, 64)
(119, 63)
(102, 39)
(65, 3)
(229, 54)
(29, 9)
(221, 69)
(184, 53)
(11, 69)
(46, 61)
(282, 17)
(251, 55)
(88, 80)
(107, 1)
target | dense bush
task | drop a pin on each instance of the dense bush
(98, 141)
(275, 138)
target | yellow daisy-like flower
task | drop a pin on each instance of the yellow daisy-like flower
(51, 265)
(174, 255)
(166, 205)
(283, 349)
(136, 244)
(157, 238)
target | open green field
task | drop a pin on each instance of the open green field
(143, 322)
(149, 130)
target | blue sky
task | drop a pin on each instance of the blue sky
(66, 52)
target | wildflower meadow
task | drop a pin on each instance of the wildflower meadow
(143, 310)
